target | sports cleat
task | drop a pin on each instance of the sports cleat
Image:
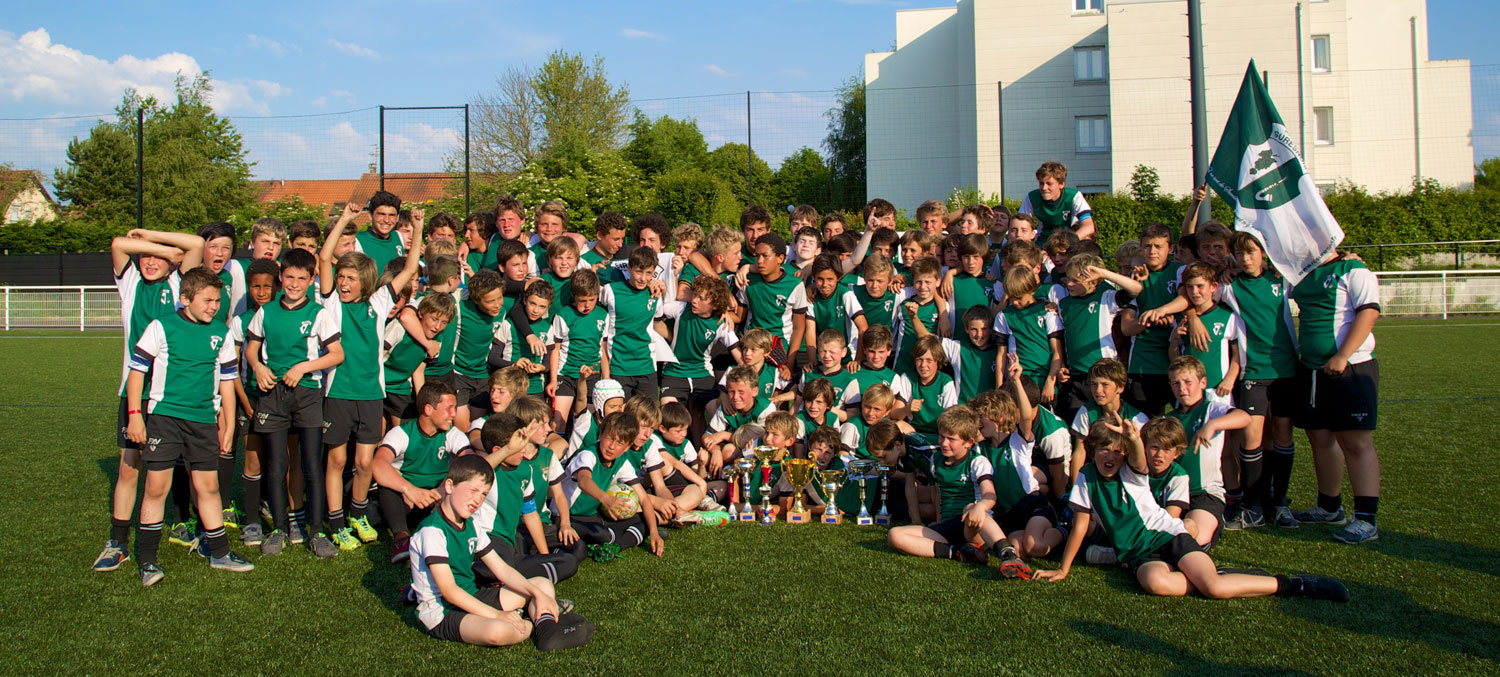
(265, 513)
(1317, 515)
(1246, 518)
(565, 606)
(345, 539)
(401, 549)
(321, 547)
(1100, 554)
(274, 543)
(709, 504)
(968, 554)
(111, 557)
(409, 596)
(231, 561)
(184, 534)
(151, 574)
(233, 516)
(1284, 518)
(297, 533)
(1323, 587)
(1358, 531)
(252, 534)
(362, 529)
(1011, 565)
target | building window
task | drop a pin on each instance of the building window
(1088, 5)
(1322, 59)
(1088, 64)
(1093, 134)
(1323, 126)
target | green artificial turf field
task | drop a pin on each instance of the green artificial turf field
(744, 599)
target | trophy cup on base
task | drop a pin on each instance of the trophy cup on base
(745, 511)
(832, 481)
(861, 470)
(764, 454)
(883, 516)
(799, 474)
(731, 475)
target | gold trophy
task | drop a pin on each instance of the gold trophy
(832, 480)
(799, 474)
(883, 516)
(764, 454)
(861, 470)
(743, 466)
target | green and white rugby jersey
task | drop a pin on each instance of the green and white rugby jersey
(381, 249)
(960, 483)
(585, 434)
(358, 327)
(938, 395)
(422, 458)
(806, 424)
(906, 336)
(475, 334)
(1088, 327)
(863, 379)
(1327, 299)
(140, 303)
(628, 330)
(578, 338)
(1124, 507)
(1051, 438)
(725, 420)
(683, 451)
(852, 435)
(546, 471)
(538, 251)
(1090, 412)
(402, 355)
(514, 347)
(232, 295)
(693, 337)
(828, 313)
(184, 361)
(859, 303)
(1171, 487)
(1027, 333)
(1224, 329)
(443, 363)
(973, 367)
(1269, 346)
(1011, 462)
(482, 260)
(1203, 464)
(604, 475)
(441, 541)
(512, 495)
(1069, 210)
(290, 336)
(968, 291)
(1148, 351)
(562, 292)
(773, 303)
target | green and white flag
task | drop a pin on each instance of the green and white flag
(1258, 170)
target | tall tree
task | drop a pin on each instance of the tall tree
(580, 111)
(664, 145)
(846, 144)
(505, 124)
(803, 178)
(748, 176)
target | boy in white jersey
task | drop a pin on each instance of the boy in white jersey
(1206, 423)
(412, 459)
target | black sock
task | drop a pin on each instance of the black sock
(1000, 547)
(182, 493)
(147, 542)
(1280, 469)
(119, 530)
(218, 543)
(944, 551)
(551, 634)
(1287, 586)
(1365, 508)
(250, 494)
(1253, 477)
(358, 508)
(627, 538)
(1332, 503)
(296, 517)
(226, 475)
(336, 520)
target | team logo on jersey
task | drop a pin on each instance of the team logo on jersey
(781, 300)
(473, 544)
(166, 295)
(370, 310)
(1218, 328)
(525, 486)
(304, 327)
(1172, 287)
(599, 325)
(887, 304)
(708, 333)
(1093, 307)
(1041, 321)
(1276, 289)
(213, 341)
(1330, 282)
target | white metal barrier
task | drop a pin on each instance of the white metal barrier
(1436, 293)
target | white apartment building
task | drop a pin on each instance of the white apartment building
(982, 92)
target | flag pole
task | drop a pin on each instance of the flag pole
(1200, 106)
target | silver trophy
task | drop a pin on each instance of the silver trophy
(744, 467)
(883, 516)
(861, 470)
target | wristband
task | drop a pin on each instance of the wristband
(132, 412)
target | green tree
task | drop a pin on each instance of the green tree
(803, 178)
(1487, 175)
(665, 145)
(1145, 183)
(748, 176)
(846, 145)
(98, 182)
(581, 112)
(589, 185)
(692, 195)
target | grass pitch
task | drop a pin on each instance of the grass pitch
(744, 599)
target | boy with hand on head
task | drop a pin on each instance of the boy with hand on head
(192, 367)
(578, 331)
(600, 514)
(377, 241)
(1055, 205)
(1088, 313)
(449, 603)
(1032, 332)
(1115, 490)
(289, 345)
(412, 461)
(148, 267)
(355, 389)
(1206, 422)
(407, 362)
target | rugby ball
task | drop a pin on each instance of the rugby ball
(625, 493)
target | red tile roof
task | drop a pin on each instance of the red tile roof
(415, 187)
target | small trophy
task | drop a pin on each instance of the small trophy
(833, 480)
(763, 455)
(731, 475)
(883, 516)
(799, 474)
(743, 466)
(863, 469)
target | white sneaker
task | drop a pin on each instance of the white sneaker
(1098, 554)
(708, 503)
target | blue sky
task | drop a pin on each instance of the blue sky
(322, 59)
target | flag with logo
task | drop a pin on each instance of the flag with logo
(1258, 170)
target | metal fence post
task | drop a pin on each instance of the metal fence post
(80, 309)
(7, 309)
(749, 155)
(1445, 295)
(1457, 257)
(140, 168)
(466, 160)
(382, 147)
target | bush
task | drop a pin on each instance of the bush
(691, 195)
(60, 235)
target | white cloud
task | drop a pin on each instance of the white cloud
(716, 71)
(794, 72)
(353, 49)
(272, 46)
(637, 34)
(39, 71)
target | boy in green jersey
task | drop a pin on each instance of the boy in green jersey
(1052, 446)
(1023, 512)
(825, 307)
(451, 606)
(776, 299)
(1055, 205)
(877, 401)
(562, 263)
(817, 408)
(219, 243)
(609, 236)
(412, 461)
(476, 253)
(192, 367)
(753, 351)
(633, 306)
(550, 219)
(925, 391)
(1115, 490)
(288, 347)
(355, 388)
(262, 282)
(479, 314)
(872, 304)
(443, 278)
(681, 458)
(832, 351)
(515, 499)
(967, 286)
(380, 241)
(544, 460)
(578, 332)
(1221, 356)
(1027, 328)
(599, 513)
(871, 368)
(922, 311)
(1088, 314)
(1106, 385)
(406, 361)
(1149, 320)
(700, 324)
(966, 489)
(740, 405)
(535, 302)
(1208, 423)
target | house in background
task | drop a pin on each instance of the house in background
(24, 197)
(335, 193)
(981, 92)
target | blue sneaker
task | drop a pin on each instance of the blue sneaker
(151, 574)
(252, 534)
(1317, 515)
(231, 562)
(1358, 531)
(112, 557)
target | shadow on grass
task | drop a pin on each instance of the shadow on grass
(1184, 662)
(384, 580)
(1410, 546)
(1387, 612)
